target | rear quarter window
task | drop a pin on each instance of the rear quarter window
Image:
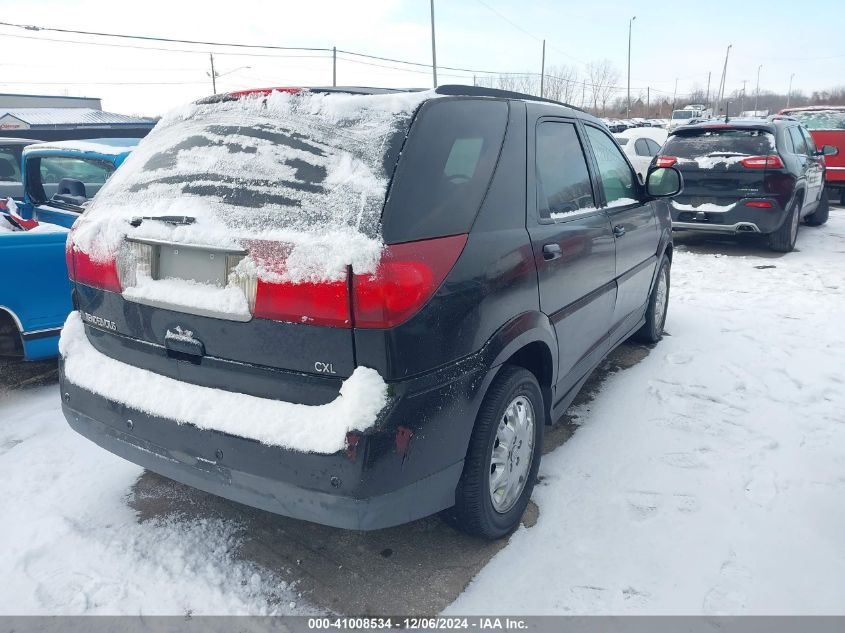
(444, 169)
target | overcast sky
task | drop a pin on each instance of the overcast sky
(683, 40)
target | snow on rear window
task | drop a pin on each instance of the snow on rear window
(721, 144)
(304, 169)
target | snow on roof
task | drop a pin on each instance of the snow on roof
(107, 146)
(73, 116)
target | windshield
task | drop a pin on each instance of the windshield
(821, 119)
(724, 142)
(684, 114)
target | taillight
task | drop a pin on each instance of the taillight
(772, 161)
(324, 303)
(406, 278)
(666, 161)
(97, 274)
(759, 204)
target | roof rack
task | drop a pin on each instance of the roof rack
(780, 117)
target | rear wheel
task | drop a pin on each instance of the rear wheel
(821, 213)
(783, 240)
(503, 457)
(658, 304)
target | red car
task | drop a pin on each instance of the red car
(827, 127)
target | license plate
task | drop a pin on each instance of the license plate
(194, 264)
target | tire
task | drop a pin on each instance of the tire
(658, 305)
(821, 213)
(783, 240)
(475, 511)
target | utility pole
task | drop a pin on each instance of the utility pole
(721, 93)
(675, 95)
(583, 93)
(742, 98)
(334, 66)
(213, 74)
(707, 98)
(628, 107)
(757, 92)
(648, 100)
(543, 70)
(789, 92)
(433, 48)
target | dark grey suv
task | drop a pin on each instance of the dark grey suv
(244, 349)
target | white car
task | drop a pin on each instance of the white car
(641, 144)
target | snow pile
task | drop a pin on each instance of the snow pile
(310, 429)
(709, 207)
(711, 162)
(300, 169)
(72, 545)
(709, 478)
(175, 294)
(5, 225)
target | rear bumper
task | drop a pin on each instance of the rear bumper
(738, 219)
(406, 468)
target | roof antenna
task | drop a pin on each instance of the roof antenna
(727, 110)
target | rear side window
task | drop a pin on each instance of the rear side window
(90, 171)
(642, 148)
(798, 142)
(563, 182)
(444, 169)
(719, 142)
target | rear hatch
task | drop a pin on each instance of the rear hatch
(223, 251)
(721, 165)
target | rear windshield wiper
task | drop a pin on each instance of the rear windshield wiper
(180, 220)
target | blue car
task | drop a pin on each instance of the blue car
(58, 179)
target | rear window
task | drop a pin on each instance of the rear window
(821, 119)
(309, 162)
(719, 142)
(445, 169)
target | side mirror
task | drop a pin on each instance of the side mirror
(663, 182)
(828, 150)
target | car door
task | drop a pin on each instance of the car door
(573, 246)
(802, 153)
(634, 223)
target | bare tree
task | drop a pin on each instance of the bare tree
(561, 83)
(602, 77)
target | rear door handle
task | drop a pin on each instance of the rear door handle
(619, 230)
(551, 251)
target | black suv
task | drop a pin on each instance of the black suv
(748, 176)
(516, 249)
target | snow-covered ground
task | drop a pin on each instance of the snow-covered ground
(708, 478)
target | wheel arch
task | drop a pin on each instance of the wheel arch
(11, 329)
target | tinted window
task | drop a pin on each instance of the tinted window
(642, 148)
(700, 143)
(653, 146)
(10, 164)
(445, 168)
(617, 178)
(798, 142)
(54, 168)
(563, 181)
(811, 144)
(621, 140)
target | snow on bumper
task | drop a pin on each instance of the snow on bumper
(310, 429)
